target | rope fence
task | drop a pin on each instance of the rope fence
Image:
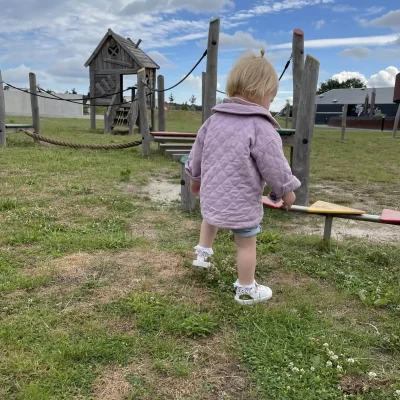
(81, 146)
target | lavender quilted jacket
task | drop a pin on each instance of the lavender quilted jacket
(237, 151)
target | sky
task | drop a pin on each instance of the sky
(54, 39)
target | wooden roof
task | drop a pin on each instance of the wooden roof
(135, 52)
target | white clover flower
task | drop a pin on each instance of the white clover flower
(295, 369)
(312, 369)
(339, 367)
(326, 345)
(331, 353)
(397, 392)
(302, 371)
(372, 375)
(291, 364)
(329, 363)
(335, 357)
(350, 360)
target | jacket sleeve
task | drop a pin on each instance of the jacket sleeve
(193, 164)
(274, 168)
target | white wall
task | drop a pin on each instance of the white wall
(19, 104)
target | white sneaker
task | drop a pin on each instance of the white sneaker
(203, 257)
(256, 294)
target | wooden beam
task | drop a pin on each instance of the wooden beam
(212, 67)
(161, 103)
(116, 62)
(188, 201)
(344, 120)
(111, 83)
(3, 138)
(305, 128)
(138, 43)
(396, 123)
(297, 68)
(92, 94)
(122, 71)
(100, 89)
(105, 84)
(144, 118)
(34, 103)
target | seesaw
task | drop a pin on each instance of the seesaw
(330, 211)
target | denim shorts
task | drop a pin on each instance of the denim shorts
(247, 232)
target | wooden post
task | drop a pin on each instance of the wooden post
(395, 126)
(188, 201)
(3, 135)
(297, 68)
(161, 103)
(328, 227)
(287, 115)
(203, 95)
(92, 101)
(212, 68)
(34, 103)
(305, 128)
(344, 121)
(144, 118)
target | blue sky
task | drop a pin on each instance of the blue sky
(54, 38)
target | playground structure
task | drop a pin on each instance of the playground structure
(114, 58)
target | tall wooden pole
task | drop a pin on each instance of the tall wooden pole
(3, 135)
(161, 104)
(34, 103)
(287, 115)
(344, 121)
(144, 118)
(212, 68)
(305, 129)
(203, 95)
(297, 68)
(396, 123)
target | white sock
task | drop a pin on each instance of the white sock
(201, 251)
(237, 284)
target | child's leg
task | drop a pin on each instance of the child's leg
(246, 259)
(207, 234)
(204, 249)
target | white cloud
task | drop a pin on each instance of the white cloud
(240, 40)
(194, 81)
(345, 75)
(383, 40)
(387, 54)
(319, 24)
(397, 41)
(374, 10)
(385, 78)
(390, 20)
(357, 52)
(18, 76)
(160, 59)
(72, 67)
(343, 8)
(268, 7)
(165, 6)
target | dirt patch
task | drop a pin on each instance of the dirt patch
(355, 384)
(213, 374)
(163, 191)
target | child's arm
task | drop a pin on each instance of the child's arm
(193, 164)
(275, 169)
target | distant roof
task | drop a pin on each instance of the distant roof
(135, 52)
(384, 95)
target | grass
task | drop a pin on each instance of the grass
(98, 299)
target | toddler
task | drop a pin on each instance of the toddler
(237, 151)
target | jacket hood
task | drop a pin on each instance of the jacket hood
(238, 106)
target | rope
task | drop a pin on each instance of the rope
(182, 80)
(286, 66)
(81, 146)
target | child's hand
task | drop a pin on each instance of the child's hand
(195, 188)
(288, 200)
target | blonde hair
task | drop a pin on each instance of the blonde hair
(253, 77)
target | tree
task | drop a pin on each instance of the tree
(74, 91)
(171, 98)
(331, 84)
(193, 100)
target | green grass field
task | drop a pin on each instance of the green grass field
(98, 299)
